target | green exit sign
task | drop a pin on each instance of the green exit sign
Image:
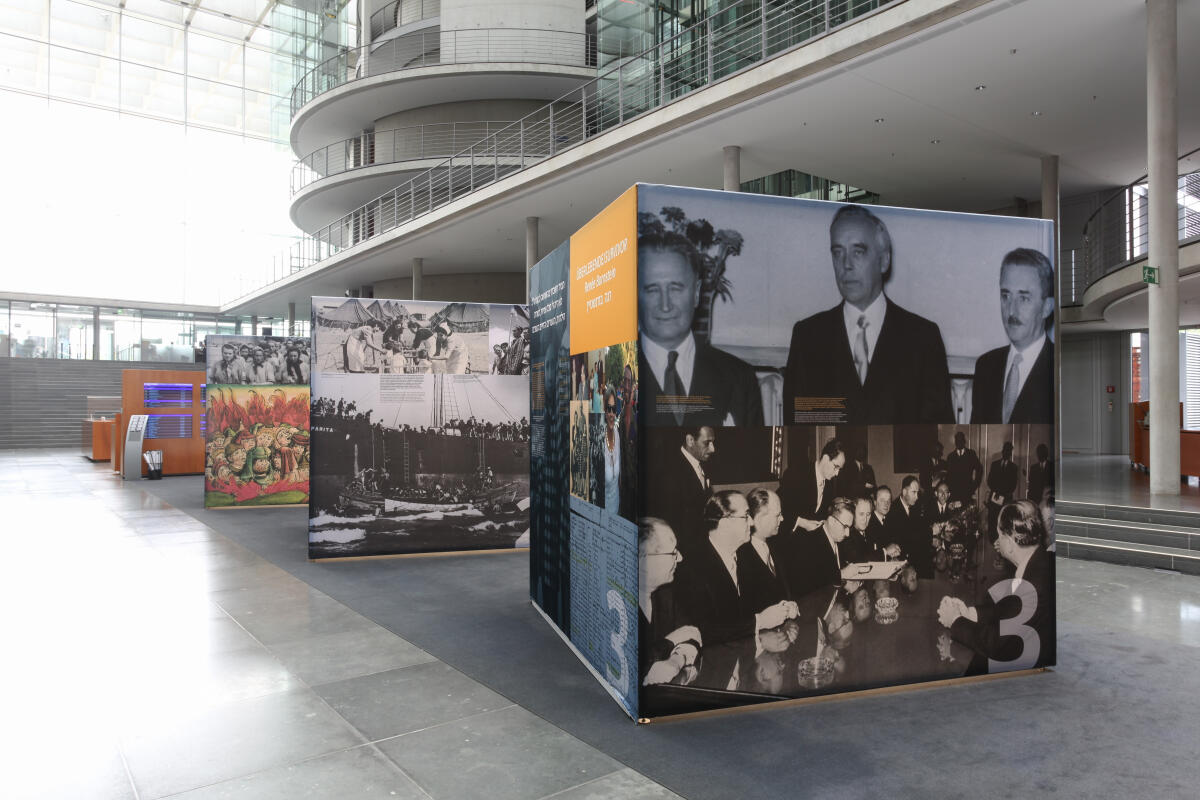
(1150, 275)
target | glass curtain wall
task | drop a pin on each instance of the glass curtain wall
(146, 141)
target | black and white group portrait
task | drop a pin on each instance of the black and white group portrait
(778, 311)
(800, 559)
(407, 337)
(257, 360)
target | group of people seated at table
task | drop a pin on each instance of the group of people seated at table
(722, 572)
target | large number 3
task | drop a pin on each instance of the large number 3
(1031, 644)
(617, 639)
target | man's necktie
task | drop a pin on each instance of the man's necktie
(1012, 387)
(673, 386)
(861, 356)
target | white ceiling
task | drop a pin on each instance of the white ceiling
(1082, 65)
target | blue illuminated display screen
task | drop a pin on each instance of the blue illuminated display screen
(159, 395)
(169, 426)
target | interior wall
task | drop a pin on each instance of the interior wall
(1095, 420)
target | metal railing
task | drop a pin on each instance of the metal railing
(434, 140)
(435, 47)
(715, 48)
(1118, 232)
(402, 12)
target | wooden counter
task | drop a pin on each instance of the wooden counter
(181, 456)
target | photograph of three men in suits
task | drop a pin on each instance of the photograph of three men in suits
(866, 359)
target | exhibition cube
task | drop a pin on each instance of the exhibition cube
(785, 448)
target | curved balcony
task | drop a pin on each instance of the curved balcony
(399, 13)
(349, 92)
(1104, 275)
(438, 140)
(349, 173)
(434, 48)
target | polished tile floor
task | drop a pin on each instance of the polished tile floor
(1111, 481)
(148, 656)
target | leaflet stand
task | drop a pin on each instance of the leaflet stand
(132, 461)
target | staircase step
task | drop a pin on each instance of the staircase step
(1156, 516)
(1127, 553)
(1179, 536)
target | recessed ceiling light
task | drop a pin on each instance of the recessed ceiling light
(980, 87)
(1012, 52)
(935, 141)
(1037, 113)
(878, 120)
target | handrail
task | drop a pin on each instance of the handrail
(1118, 233)
(432, 140)
(435, 47)
(698, 56)
(402, 12)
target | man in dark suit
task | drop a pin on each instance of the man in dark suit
(908, 528)
(1041, 476)
(867, 355)
(1002, 486)
(688, 381)
(964, 471)
(678, 487)
(858, 546)
(1015, 384)
(806, 489)
(933, 468)
(857, 478)
(760, 567)
(877, 527)
(938, 509)
(668, 649)
(707, 590)
(814, 559)
(1027, 597)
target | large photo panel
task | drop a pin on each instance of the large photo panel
(236, 360)
(257, 446)
(788, 311)
(420, 436)
(781, 562)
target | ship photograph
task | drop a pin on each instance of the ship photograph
(418, 463)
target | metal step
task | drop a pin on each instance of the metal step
(1154, 516)
(1134, 533)
(1128, 553)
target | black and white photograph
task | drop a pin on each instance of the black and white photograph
(366, 335)
(763, 310)
(257, 360)
(509, 340)
(801, 560)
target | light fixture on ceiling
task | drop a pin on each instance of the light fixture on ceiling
(878, 120)
(980, 87)
(1036, 114)
(935, 141)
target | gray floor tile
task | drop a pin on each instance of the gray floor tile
(624, 784)
(357, 774)
(188, 751)
(408, 699)
(508, 754)
(348, 654)
(316, 616)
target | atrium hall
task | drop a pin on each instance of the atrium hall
(273, 170)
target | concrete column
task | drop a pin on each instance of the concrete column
(1162, 117)
(95, 334)
(291, 319)
(531, 249)
(254, 324)
(733, 168)
(1051, 211)
(418, 270)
